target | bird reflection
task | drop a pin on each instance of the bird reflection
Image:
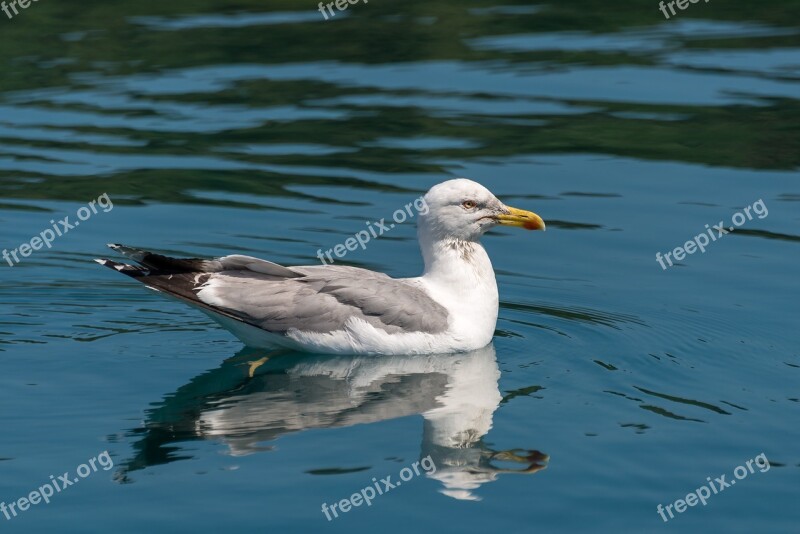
(251, 400)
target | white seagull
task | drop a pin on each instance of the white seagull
(335, 309)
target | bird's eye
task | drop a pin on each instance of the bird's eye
(468, 204)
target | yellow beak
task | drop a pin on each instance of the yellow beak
(525, 219)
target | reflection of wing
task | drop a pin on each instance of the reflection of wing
(456, 394)
(274, 408)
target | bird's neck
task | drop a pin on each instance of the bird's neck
(459, 274)
(456, 262)
(462, 270)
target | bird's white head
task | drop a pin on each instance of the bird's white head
(464, 210)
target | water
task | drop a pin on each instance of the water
(612, 386)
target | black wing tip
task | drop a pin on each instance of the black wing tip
(133, 253)
(106, 263)
(158, 263)
(130, 270)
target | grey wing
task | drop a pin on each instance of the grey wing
(323, 299)
(277, 298)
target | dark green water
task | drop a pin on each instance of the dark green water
(261, 128)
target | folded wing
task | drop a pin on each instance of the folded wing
(279, 299)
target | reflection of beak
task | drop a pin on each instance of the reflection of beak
(525, 219)
(536, 460)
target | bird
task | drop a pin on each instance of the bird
(335, 309)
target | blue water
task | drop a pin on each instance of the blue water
(612, 386)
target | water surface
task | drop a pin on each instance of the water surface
(612, 385)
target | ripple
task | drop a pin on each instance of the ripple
(235, 20)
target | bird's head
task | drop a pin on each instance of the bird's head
(464, 210)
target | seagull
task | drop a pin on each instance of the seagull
(334, 309)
